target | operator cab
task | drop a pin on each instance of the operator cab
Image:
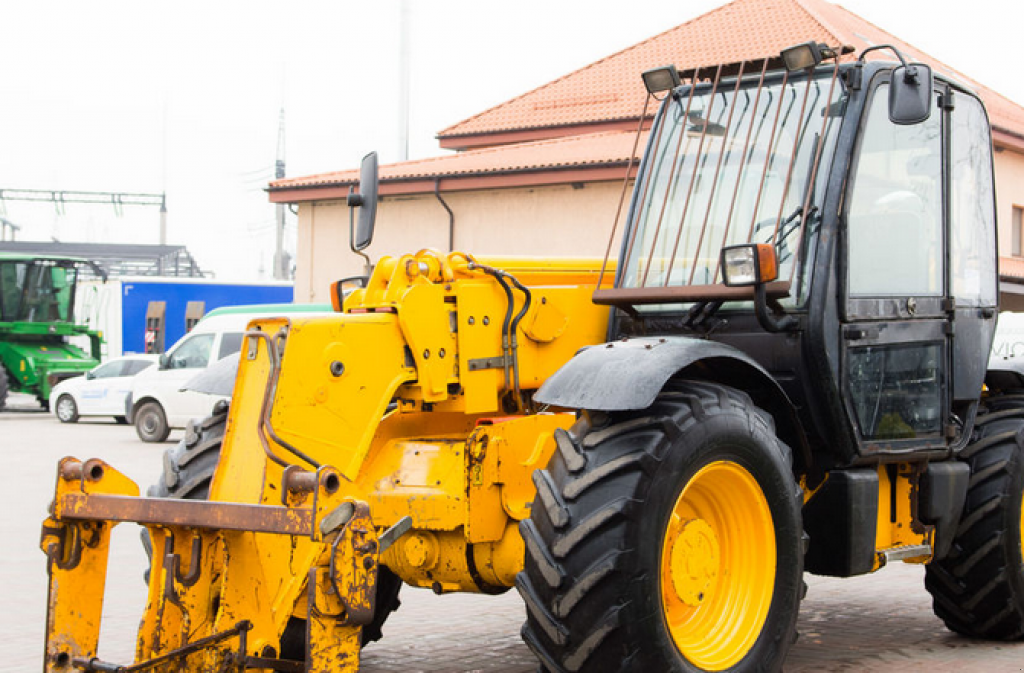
(835, 223)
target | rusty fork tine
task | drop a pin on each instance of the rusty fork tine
(768, 155)
(743, 162)
(669, 185)
(792, 159)
(643, 194)
(718, 169)
(814, 171)
(625, 187)
(693, 176)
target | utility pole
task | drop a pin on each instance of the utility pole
(403, 81)
(280, 257)
(163, 218)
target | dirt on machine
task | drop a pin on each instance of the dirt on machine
(784, 369)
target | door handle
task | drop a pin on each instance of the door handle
(858, 332)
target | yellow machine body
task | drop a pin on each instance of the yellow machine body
(411, 410)
(400, 432)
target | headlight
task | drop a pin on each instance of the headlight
(749, 264)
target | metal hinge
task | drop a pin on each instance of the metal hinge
(497, 362)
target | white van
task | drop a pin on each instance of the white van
(1008, 342)
(157, 404)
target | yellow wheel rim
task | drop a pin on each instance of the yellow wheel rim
(718, 566)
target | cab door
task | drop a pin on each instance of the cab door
(896, 321)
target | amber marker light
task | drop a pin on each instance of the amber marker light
(749, 264)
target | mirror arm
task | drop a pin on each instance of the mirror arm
(876, 47)
(768, 322)
(355, 200)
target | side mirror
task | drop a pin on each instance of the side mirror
(163, 361)
(342, 288)
(910, 94)
(361, 233)
(89, 376)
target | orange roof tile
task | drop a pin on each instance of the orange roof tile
(611, 89)
(593, 151)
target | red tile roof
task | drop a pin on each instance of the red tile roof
(600, 155)
(580, 127)
(611, 89)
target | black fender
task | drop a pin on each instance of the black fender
(629, 374)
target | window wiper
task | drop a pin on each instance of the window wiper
(788, 226)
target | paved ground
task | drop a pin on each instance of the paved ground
(878, 623)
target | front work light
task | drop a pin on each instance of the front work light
(749, 264)
(802, 56)
(810, 54)
(660, 79)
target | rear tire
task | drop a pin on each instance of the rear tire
(66, 410)
(638, 522)
(188, 472)
(978, 588)
(151, 423)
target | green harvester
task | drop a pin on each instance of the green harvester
(37, 325)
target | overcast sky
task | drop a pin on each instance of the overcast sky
(184, 97)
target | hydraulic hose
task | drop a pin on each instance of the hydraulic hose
(509, 340)
(265, 426)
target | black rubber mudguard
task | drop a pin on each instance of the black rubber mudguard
(629, 374)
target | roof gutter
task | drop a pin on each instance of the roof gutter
(425, 184)
(451, 215)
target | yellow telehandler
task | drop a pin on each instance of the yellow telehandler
(784, 370)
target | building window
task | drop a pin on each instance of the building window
(1018, 221)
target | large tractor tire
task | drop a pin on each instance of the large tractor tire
(978, 588)
(187, 473)
(4, 388)
(668, 539)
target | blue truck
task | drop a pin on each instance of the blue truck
(146, 314)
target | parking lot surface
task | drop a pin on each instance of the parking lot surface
(882, 622)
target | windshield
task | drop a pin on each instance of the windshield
(731, 163)
(36, 291)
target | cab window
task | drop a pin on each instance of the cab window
(193, 353)
(133, 367)
(894, 222)
(109, 370)
(972, 227)
(230, 343)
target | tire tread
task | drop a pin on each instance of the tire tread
(978, 588)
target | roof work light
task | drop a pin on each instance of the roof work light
(660, 79)
(810, 54)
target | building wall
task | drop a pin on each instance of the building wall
(560, 220)
(555, 221)
(1009, 193)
